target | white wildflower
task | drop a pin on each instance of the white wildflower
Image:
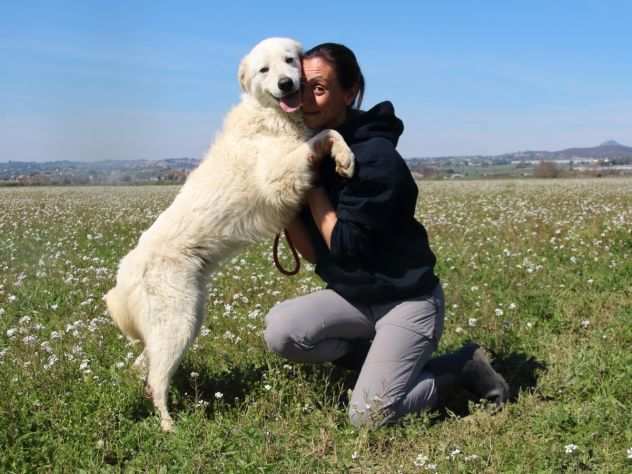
(219, 395)
(52, 360)
(421, 460)
(570, 448)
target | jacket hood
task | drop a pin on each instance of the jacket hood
(380, 121)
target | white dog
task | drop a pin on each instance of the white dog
(249, 186)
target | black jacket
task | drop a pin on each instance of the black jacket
(379, 252)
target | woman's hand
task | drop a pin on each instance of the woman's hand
(325, 218)
(323, 213)
(300, 239)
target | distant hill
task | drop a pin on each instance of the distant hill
(607, 150)
(608, 158)
(609, 154)
(174, 163)
(172, 170)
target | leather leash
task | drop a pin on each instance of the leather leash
(275, 255)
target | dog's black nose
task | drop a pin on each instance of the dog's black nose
(286, 84)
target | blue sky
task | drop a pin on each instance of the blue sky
(125, 80)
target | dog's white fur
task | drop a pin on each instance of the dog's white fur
(249, 186)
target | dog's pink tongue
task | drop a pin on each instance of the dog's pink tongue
(290, 103)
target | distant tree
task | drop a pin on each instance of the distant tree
(546, 169)
(428, 171)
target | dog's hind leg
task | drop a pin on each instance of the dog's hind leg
(164, 357)
(140, 365)
(178, 324)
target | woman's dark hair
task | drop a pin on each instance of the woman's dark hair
(346, 66)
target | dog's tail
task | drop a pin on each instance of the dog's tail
(117, 304)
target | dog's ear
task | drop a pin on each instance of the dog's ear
(243, 68)
(299, 49)
(300, 52)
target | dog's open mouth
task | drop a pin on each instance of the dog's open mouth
(291, 102)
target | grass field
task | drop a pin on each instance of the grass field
(540, 272)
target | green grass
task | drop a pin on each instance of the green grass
(540, 272)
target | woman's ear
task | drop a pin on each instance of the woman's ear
(350, 95)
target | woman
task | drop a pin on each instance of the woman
(375, 258)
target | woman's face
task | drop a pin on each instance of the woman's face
(324, 101)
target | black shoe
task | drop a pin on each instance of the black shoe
(354, 359)
(473, 371)
(480, 378)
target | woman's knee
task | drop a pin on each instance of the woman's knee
(277, 332)
(360, 418)
(356, 418)
(390, 409)
(371, 405)
(374, 416)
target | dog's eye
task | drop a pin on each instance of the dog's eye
(263, 70)
(289, 60)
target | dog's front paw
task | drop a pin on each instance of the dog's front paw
(345, 161)
(166, 425)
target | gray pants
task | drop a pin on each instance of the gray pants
(321, 327)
